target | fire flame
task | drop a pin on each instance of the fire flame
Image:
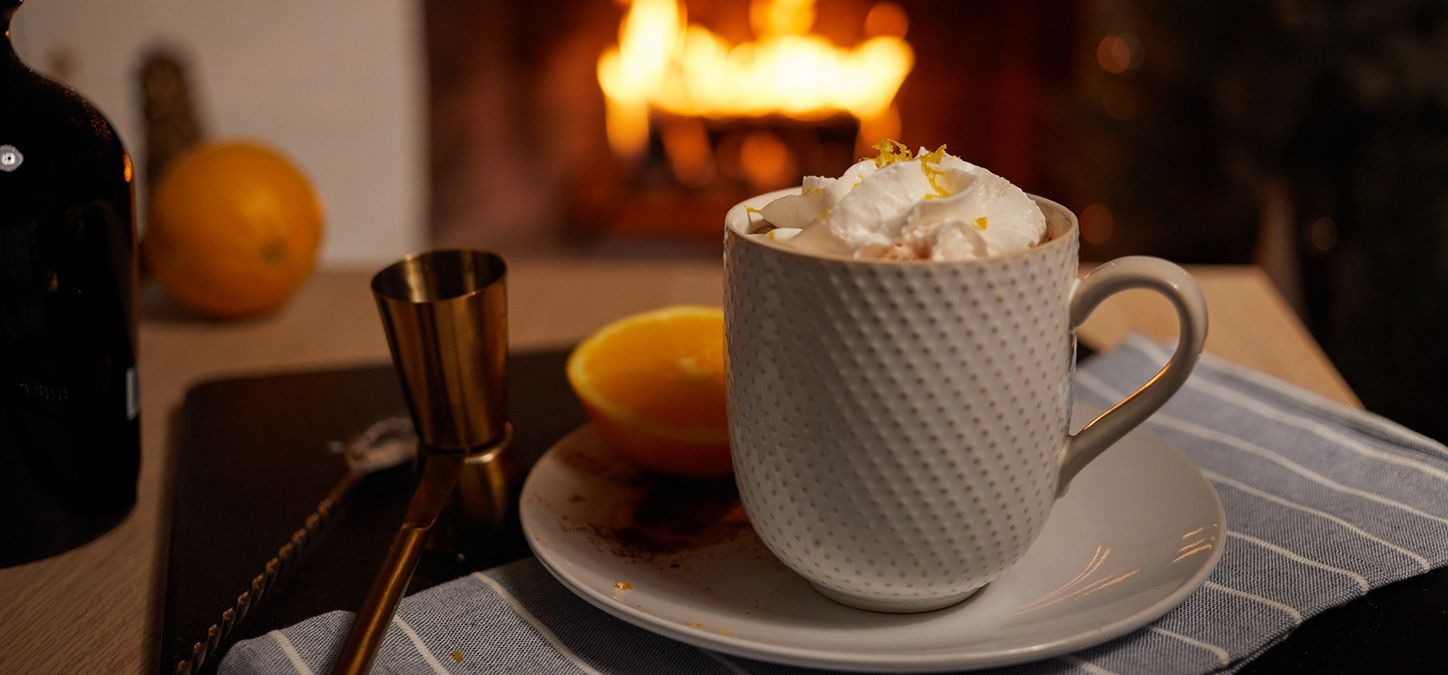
(663, 62)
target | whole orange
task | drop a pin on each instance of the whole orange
(234, 229)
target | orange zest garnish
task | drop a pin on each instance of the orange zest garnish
(929, 165)
(891, 151)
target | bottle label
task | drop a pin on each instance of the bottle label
(133, 394)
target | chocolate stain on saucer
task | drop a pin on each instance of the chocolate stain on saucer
(662, 515)
(673, 515)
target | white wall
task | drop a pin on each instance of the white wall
(339, 85)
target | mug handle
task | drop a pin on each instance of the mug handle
(1191, 308)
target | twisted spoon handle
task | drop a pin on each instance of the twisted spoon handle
(385, 444)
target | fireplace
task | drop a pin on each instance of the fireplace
(642, 122)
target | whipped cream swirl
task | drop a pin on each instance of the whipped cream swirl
(903, 206)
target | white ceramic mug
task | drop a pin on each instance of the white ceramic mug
(899, 428)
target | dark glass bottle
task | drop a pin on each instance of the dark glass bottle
(69, 407)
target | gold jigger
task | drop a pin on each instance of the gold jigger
(446, 317)
(445, 314)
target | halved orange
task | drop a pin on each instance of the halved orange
(653, 386)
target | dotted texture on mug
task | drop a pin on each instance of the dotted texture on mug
(896, 428)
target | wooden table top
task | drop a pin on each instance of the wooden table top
(98, 608)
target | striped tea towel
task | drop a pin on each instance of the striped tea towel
(1323, 503)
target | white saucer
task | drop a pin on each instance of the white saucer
(1139, 530)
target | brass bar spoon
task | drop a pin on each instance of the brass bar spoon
(439, 477)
